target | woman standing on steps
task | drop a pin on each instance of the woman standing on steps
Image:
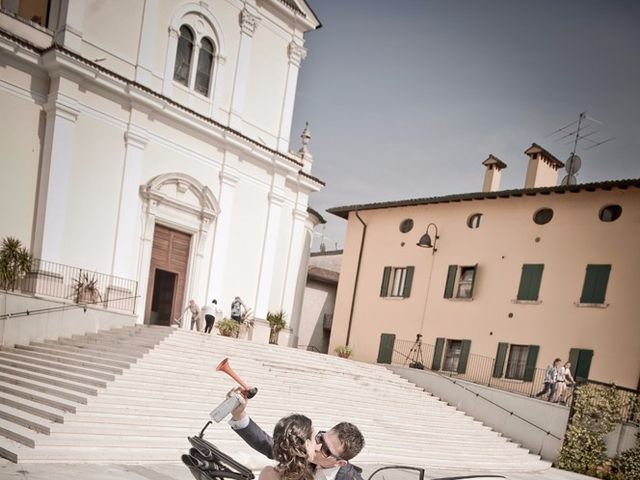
(294, 446)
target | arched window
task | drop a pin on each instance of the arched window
(184, 54)
(205, 62)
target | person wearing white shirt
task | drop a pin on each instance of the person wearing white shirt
(210, 313)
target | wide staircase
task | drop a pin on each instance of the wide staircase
(133, 395)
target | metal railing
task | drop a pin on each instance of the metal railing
(479, 368)
(79, 286)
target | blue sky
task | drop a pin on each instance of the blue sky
(406, 98)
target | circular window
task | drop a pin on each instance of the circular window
(406, 225)
(474, 220)
(610, 213)
(542, 216)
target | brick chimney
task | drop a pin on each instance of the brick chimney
(543, 168)
(492, 175)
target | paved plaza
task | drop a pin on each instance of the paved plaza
(66, 471)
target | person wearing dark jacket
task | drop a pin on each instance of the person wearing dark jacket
(337, 446)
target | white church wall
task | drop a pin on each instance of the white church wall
(19, 137)
(266, 85)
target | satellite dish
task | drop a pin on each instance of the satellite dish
(569, 180)
(573, 164)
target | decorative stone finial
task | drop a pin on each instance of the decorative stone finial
(305, 136)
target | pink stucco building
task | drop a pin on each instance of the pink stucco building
(521, 276)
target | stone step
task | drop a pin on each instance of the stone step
(91, 350)
(64, 351)
(11, 380)
(45, 379)
(60, 360)
(40, 399)
(24, 419)
(26, 366)
(121, 352)
(18, 433)
(30, 407)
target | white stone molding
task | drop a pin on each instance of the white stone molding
(124, 260)
(192, 211)
(55, 176)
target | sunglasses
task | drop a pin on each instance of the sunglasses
(324, 448)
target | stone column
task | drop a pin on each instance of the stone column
(172, 47)
(228, 180)
(296, 261)
(269, 247)
(296, 53)
(248, 24)
(147, 43)
(125, 252)
(57, 158)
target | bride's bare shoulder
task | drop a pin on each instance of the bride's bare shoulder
(269, 473)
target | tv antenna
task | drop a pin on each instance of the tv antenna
(576, 132)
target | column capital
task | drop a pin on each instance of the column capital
(296, 53)
(136, 137)
(229, 176)
(300, 215)
(277, 197)
(248, 22)
(62, 106)
(173, 32)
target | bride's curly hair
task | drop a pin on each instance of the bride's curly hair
(289, 447)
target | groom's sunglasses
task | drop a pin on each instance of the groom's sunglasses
(324, 448)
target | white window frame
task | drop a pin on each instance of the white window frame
(517, 372)
(460, 283)
(397, 281)
(452, 355)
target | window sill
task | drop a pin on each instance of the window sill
(395, 298)
(591, 305)
(526, 302)
(456, 299)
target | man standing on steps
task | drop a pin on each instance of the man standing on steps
(337, 446)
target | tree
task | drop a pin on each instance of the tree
(15, 263)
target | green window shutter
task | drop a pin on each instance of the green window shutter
(574, 353)
(473, 280)
(501, 356)
(385, 350)
(464, 356)
(408, 280)
(437, 354)
(595, 284)
(384, 288)
(530, 367)
(530, 282)
(451, 281)
(583, 364)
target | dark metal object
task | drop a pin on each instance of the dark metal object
(425, 240)
(206, 462)
(355, 285)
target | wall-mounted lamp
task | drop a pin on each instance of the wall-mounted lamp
(425, 240)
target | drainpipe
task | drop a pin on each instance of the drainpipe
(355, 286)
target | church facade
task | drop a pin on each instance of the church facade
(150, 140)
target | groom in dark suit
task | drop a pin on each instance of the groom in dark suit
(337, 446)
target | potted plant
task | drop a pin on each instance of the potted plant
(343, 351)
(228, 327)
(85, 289)
(276, 321)
(15, 263)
